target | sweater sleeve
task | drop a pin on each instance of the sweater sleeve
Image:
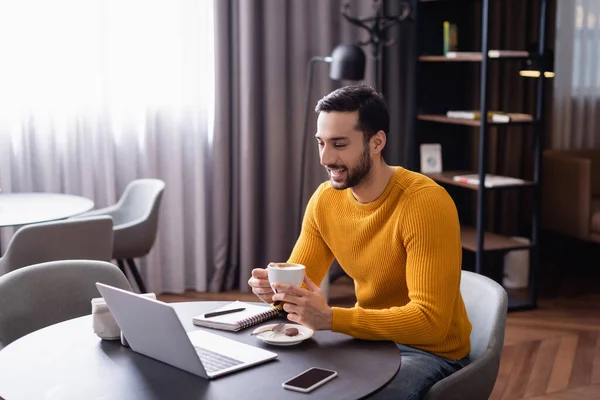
(311, 250)
(430, 232)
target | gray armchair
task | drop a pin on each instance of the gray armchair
(486, 302)
(135, 218)
(40, 295)
(83, 239)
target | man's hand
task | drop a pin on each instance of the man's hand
(259, 282)
(306, 307)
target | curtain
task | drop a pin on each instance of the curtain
(262, 51)
(96, 93)
(399, 86)
(576, 104)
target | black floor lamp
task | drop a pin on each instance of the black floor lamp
(348, 62)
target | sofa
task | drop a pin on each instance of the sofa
(570, 189)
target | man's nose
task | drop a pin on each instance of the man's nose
(327, 156)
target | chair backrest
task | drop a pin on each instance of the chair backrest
(136, 218)
(40, 295)
(487, 304)
(88, 238)
(139, 200)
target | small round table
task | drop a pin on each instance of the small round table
(68, 361)
(28, 208)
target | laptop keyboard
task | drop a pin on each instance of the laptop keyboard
(214, 362)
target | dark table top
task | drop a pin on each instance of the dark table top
(68, 361)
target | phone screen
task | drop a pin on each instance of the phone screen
(309, 378)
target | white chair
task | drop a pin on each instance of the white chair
(37, 296)
(135, 218)
(487, 304)
(83, 239)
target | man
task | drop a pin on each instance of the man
(395, 232)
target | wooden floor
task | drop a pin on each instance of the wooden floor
(550, 353)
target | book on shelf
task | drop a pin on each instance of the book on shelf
(507, 53)
(251, 315)
(450, 37)
(491, 180)
(461, 54)
(493, 116)
(468, 114)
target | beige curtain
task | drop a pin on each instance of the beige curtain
(97, 93)
(576, 122)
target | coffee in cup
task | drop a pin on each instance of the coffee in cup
(284, 265)
(290, 273)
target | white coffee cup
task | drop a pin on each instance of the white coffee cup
(292, 274)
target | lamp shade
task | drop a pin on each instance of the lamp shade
(347, 63)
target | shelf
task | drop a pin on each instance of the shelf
(474, 56)
(434, 103)
(491, 241)
(448, 177)
(517, 119)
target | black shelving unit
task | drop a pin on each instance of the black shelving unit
(441, 87)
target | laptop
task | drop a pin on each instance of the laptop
(152, 328)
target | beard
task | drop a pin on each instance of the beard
(356, 174)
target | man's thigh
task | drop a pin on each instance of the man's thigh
(419, 371)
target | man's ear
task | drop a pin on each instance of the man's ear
(378, 142)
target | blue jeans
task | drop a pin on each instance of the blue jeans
(419, 371)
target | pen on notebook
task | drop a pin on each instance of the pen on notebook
(217, 313)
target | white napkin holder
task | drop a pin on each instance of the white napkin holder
(104, 323)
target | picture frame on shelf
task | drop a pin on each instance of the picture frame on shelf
(431, 158)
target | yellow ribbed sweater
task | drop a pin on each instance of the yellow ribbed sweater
(403, 252)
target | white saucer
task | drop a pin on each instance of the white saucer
(280, 338)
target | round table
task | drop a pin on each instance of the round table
(28, 208)
(68, 361)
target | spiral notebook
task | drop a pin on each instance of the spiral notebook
(252, 315)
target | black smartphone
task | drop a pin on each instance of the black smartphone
(309, 380)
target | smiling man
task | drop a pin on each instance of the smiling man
(395, 232)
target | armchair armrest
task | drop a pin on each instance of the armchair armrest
(566, 194)
(110, 211)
